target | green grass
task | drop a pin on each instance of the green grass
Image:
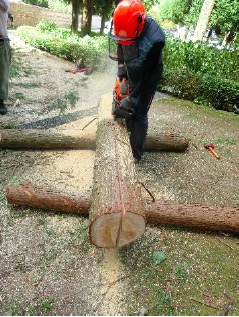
(177, 285)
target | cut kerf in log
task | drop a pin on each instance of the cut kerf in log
(117, 214)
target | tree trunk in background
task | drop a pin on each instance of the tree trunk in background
(87, 17)
(203, 20)
(103, 19)
(75, 16)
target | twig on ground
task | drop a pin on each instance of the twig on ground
(228, 307)
(200, 302)
(88, 123)
(229, 246)
(147, 190)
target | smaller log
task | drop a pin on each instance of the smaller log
(30, 195)
(166, 142)
(82, 140)
(46, 139)
(214, 218)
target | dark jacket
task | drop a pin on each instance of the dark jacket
(146, 69)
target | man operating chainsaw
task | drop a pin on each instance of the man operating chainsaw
(136, 41)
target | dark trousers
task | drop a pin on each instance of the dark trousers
(5, 58)
(138, 123)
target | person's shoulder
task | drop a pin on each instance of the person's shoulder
(6, 4)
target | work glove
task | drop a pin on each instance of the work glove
(126, 107)
(122, 72)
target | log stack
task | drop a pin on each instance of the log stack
(116, 211)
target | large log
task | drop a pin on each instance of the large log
(117, 214)
(80, 139)
(215, 218)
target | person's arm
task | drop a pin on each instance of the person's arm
(4, 6)
(121, 72)
(151, 69)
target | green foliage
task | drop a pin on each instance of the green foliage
(181, 269)
(192, 16)
(45, 26)
(219, 93)
(58, 5)
(200, 59)
(158, 257)
(181, 84)
(200, 73)
(40, 3)
(61, 42)
(173, 10)
(162, 302)
(63, 102)
(225, 15)
(149, 4)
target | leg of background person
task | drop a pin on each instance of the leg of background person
(5, 57)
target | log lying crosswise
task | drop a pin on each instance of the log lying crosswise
(117, 214)
(72, 139)
(30, 195)
(159, 213)
(46, 139)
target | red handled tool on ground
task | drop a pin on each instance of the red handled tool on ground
(77, 70)
(211, 148)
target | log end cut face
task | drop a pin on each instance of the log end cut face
(116, 230)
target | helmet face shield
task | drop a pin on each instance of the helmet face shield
(126, 48)
(126, 27)
(128, 52)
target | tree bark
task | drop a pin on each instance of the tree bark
(46, 139)
(75, 16)
(166, 142)
(86, 17)
(34, 196)
(117, 212)
(194, 215)
(203, 19)
(72, 139)
(215, 218)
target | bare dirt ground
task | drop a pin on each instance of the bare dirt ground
(47, 263)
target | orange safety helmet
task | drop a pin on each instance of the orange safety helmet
(128, 21)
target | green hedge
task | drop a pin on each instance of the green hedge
(200, 58)
(200, 73)
(192, 71)
(61, 42)
(205, 89)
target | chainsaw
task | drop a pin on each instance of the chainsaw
(121, 90)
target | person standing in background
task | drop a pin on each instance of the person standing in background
(5, 54)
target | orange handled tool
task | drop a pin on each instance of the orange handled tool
(211, 148)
